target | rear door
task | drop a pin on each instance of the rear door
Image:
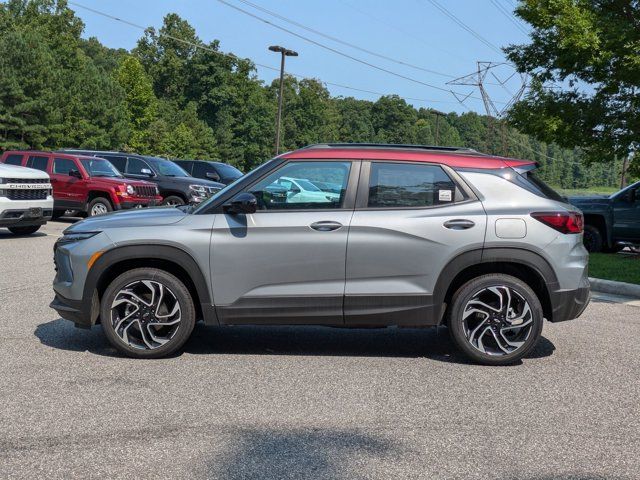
(285, 264)
(411, 219)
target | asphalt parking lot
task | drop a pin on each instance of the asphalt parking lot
(264, 402)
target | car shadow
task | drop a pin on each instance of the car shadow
(301, 453)
(7, 235)
(432, 343)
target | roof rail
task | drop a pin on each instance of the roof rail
(392, 146)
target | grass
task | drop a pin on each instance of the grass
(622, 267)
(582, 192)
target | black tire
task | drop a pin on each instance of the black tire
(173, 200)
(457, 324)
(592, 239)
(99, 206)
(24, 230)
(57, 214)
(170, 282)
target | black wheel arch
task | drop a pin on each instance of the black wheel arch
(527, 265)
(168, 257)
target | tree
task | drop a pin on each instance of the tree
(585, 68)
(140, 101)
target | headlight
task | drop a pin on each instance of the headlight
(130, 190)
(75, 237)
(199, 190)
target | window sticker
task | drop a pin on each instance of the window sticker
(444, 195)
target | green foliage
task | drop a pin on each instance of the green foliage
(590, 50)
(167, 97)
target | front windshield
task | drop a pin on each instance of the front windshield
(228, 171)
(99, 167)
(167, 168)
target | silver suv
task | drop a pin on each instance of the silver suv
(347, 235)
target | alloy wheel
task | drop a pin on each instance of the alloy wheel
(497, 320)
(145, 314)
(99, 209)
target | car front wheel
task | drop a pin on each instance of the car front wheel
(147, 313)
(495, 319)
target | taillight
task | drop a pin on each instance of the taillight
(564, 222)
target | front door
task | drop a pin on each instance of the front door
(285, 264)
(626, 215)
(410, 220)
(69, 192)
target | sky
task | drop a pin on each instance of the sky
(414, 32)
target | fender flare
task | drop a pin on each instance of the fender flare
(158, 251)
(513, 255)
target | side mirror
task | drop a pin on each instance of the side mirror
(75, 173)
(147, 172)
(213, 176)
(244, 202)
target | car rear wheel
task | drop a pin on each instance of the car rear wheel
(147, 313)
(99, 206)
(495, 319)
(173, 201)
(592, 239)
(24, 230)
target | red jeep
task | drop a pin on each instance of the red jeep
(89, 185)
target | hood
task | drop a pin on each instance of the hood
(144, 217)
(592, 199)
(196, 181)
(13, 171)
(121, 181)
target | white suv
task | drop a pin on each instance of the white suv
(26, 202)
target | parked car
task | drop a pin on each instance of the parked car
(176, 186)
(216, 171)
(419, 237)
(613, 222)
(26, 202)
(300, 190)
(88, 185)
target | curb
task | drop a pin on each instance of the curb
(614, 288)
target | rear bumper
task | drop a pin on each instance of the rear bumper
(569, 304)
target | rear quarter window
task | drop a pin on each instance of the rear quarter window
(14, 159)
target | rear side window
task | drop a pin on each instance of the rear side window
(38, 162)
(13, 159)
(119, 162)
(62, 166)
(402, 185)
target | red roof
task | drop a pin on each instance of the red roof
(462, 159)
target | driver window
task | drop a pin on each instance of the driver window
(303, 186)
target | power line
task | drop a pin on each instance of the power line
(464, 26)
(337, 52)
(508, 15)
(343, 42)
(234, 57)
(409, 34)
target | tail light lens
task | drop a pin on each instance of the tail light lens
(564, 222)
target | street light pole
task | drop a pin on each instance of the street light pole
(284, 53)
(438, 115)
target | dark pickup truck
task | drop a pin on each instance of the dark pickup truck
(611, 223)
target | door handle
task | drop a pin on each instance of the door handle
(459, 224)
(326, 226)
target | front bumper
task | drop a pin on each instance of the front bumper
(569, 304)
(25, 217)
(142, 202)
